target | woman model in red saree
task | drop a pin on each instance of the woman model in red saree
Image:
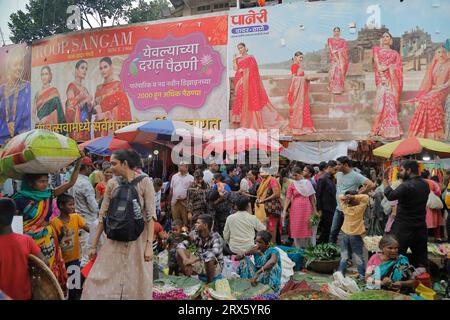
(250, 96)
(428, 119)
(338, 62)
(300, 121)
(112, 102)
(388, 70)
(79, 103)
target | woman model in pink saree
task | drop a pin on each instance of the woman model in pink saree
(300, 121)
(388, 70)
(250, 96)
(428, 119)
(338, 62)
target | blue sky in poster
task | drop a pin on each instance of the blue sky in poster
(319, 18)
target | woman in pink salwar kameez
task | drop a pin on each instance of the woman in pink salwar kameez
(388, 70)
(250, 96)
(338, 62)
(428, 120)
(300, 121)
(301, 196)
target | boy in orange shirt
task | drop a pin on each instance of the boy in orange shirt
(67, 227)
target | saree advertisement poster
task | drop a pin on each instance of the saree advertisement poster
(89, 84)
(15, 91)
(342, 70)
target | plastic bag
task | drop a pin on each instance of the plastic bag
(342, 287)
(37, 151)
(163, 260)
(287, 266)
(229, 269)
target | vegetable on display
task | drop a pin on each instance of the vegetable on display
(322, 252)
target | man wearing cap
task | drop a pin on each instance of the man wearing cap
(85, 203)
(179, 185)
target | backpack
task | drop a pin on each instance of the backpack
(124, 221)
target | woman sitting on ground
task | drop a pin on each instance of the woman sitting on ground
(267, 266)
(388, 270)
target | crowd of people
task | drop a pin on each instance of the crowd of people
(203, 213)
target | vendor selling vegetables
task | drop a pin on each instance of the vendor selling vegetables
(389, 270)
(266, 267)
(208, 261)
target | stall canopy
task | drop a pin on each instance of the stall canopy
(315, 152)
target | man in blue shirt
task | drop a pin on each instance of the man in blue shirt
(346, 180)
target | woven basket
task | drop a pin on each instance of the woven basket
(290, 295)
(44, 284)
(327, 267)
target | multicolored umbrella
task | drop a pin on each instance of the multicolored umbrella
(157, 130)
(412, 146)
(104, 146)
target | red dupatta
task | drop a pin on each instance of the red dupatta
(111, 97)
(45, 96)
(249, 90)
(389, 58)
(341, 46)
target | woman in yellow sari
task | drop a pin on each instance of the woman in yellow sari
(268, 206)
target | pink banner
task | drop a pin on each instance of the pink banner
(172, 72)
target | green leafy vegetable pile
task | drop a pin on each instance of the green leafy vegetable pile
(322, 252)
(375, 295)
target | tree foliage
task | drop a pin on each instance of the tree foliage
(148, 11)
(43, 18)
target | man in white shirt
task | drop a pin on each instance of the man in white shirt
(85, 204)
(241, 227)
(179, 185)
(208, 174)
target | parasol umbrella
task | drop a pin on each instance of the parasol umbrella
(411, 146)
(237, 141)
(156, 130)
(104, 146)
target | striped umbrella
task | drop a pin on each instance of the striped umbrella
(105, 146)
(156, 130)
(411, 146)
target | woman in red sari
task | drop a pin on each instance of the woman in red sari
(47, 102)
(428, 119)
(250, 96)
(388, 70)
(112, 102)
(79, 103)
(300, 121)
(338, 62)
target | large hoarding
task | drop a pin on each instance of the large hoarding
(88, 84)
(15, 91)
(381, 74)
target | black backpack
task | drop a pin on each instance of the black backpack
(124, 221)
